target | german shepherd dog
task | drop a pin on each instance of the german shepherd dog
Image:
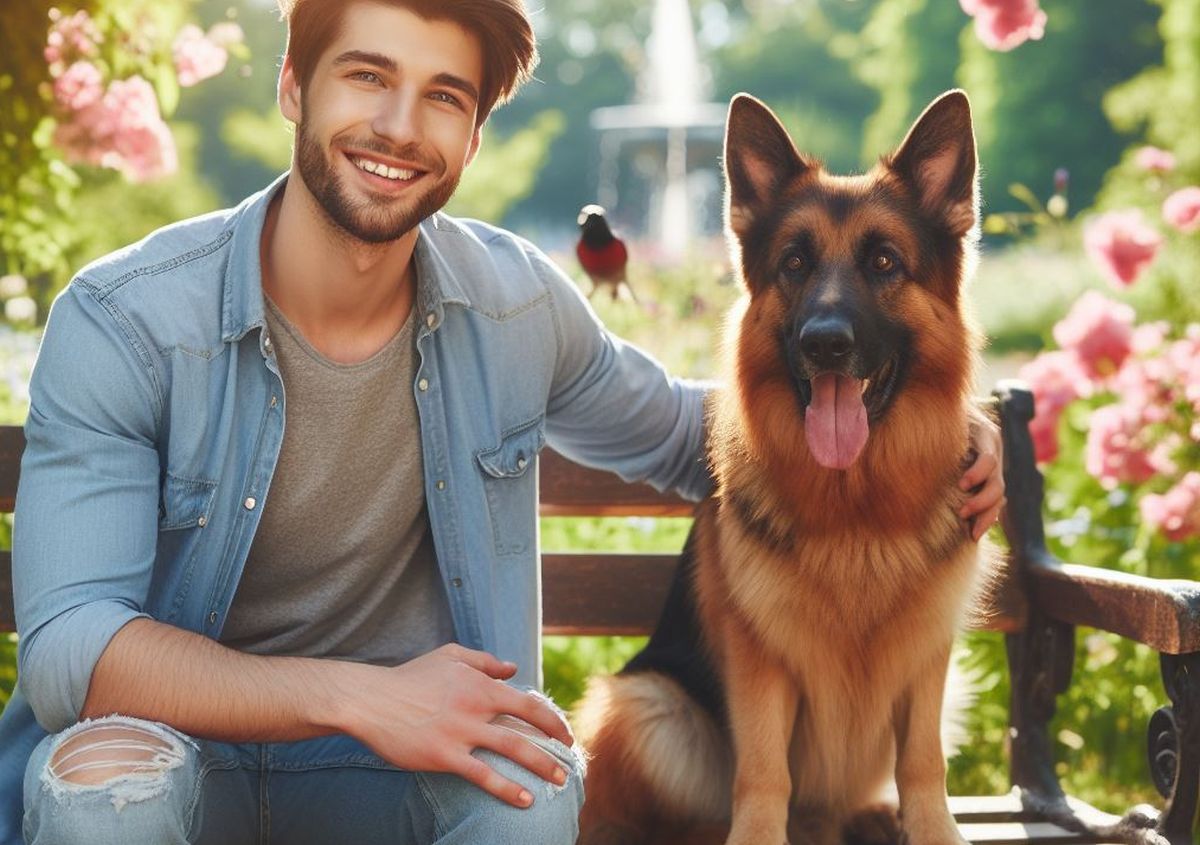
(796, 675)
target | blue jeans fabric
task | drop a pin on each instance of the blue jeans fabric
(325, 790)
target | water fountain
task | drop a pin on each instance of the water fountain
(658, 171)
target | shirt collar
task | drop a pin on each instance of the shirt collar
(242, 310)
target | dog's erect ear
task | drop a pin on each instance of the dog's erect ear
(938, 160)
(759, 159)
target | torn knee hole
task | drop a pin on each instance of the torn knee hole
(99, 753)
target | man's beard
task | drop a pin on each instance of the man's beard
(361, 219)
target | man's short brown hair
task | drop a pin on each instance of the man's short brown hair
(502, 27)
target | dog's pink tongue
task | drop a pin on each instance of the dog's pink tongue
(836, 421)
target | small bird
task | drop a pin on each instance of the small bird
(602, 254)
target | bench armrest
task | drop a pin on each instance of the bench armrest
(1163, 614)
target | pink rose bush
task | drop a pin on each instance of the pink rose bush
(1119, 401)
(1144, 426)
(1005, 24)
(117, 122)
(123, 130)
(1175, 513)
(1182, 209)
(197, 57)
(1122, 245)
(1099, 332)
(1154, 160)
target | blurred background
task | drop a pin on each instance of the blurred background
(120, 116)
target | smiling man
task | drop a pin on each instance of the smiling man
(236, 630)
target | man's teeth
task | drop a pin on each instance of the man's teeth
(383, 170)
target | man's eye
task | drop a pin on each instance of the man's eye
(450, 99)
(366, 76)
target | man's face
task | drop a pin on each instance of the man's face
(387, 122)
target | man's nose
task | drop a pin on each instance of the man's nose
(399, 119)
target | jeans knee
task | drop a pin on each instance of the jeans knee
(553, 818)
(106, 779)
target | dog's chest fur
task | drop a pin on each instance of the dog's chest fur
(854, 617)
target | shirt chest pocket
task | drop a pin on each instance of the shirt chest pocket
(185, 503)
(510, 484)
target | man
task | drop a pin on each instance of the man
(302, 646)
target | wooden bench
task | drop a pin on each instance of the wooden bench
(1038, 607)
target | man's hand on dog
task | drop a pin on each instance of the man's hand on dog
(984, 478)
(429, 714)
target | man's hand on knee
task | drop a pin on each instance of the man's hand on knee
(432, 712)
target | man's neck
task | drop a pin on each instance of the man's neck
(348, 298)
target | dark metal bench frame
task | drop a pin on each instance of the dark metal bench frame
(1042, 601)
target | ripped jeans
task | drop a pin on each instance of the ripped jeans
(325, 790)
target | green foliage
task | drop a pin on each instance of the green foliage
(505, 169)
(35, 185)
(261, 137)
(1161, 102)
(1038, 107)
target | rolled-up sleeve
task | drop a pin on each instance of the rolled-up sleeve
(86, 513)
(613, 406)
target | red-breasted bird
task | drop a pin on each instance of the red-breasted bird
(602, 254)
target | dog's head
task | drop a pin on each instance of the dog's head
(854, 282)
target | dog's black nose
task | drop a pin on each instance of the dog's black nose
(826, 341)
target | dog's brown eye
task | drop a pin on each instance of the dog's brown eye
(883, 263)
(793, 263)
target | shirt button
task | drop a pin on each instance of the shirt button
(457, 582)
(250, 503)
(522, 463)
(423, 385)
(274, 401)
(212, 618)
(267, 345)
(441, 485)
(430, 319)
(202, 521)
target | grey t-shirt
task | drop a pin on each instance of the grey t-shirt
(342, 564)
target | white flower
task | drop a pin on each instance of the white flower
(20, 309)
(13, 285)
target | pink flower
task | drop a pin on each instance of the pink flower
(1148, 337)
(1177, 512)
(1122, 245)
(226, 33)
(196, 57)
(1115, 453)
(1182, 209)
(69, 39)
(1005, 24)
(1056, 380)
(79, 86)
(1099, 332)
(1154, 159)
(123, 130)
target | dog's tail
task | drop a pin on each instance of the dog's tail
(656, 758)
(962, 689)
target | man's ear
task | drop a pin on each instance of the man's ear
(476, 142)
(289, 92)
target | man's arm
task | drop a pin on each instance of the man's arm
(425, 715)
(84, 549)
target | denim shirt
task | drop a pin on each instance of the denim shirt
(157, 414)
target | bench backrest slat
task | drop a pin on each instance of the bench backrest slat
(582, 593)
(12, 444)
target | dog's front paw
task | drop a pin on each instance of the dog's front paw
(756, 833)
(939, 830)
(878, 824)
